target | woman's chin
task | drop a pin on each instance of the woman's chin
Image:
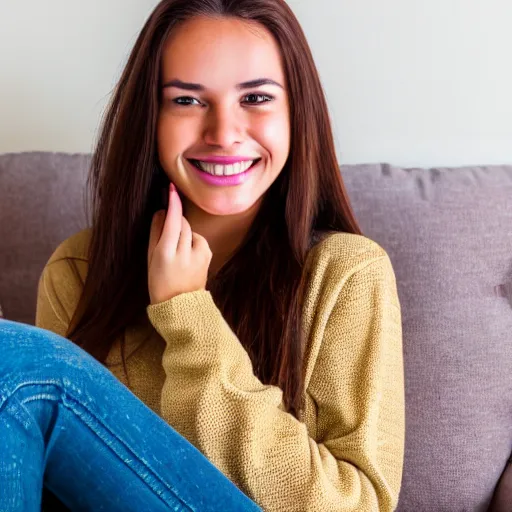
(223, 203)
(224, 210)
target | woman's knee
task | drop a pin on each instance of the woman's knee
(28, 350)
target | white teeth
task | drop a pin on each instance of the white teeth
(225, 170)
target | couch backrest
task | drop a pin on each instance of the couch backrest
(41, 204)
(449, 235)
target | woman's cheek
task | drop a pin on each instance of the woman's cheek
(273, 131)
(175, 135)
(277, 137)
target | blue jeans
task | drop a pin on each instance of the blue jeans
(66, 423)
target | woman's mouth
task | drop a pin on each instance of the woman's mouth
(215, 169)
(218, 175)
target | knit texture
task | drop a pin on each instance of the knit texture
(345, 450)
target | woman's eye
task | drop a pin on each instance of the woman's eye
(185, 100)
(256, 99)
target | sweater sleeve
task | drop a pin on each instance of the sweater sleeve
(353, 462)
(58, 293)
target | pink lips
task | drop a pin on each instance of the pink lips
(224, 160)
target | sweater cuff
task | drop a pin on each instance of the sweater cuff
(185, 312)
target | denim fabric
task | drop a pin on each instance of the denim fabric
(67, 423)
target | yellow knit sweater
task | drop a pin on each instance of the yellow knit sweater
(344, 452)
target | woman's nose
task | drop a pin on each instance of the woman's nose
(223, 128)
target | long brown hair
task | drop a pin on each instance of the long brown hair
(260, 290)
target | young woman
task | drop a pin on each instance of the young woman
(259, 328)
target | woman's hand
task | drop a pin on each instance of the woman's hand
(178, 259)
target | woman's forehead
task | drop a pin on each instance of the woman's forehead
(199, 48)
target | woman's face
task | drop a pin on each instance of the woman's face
(223, 140)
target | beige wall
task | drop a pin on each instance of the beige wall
(410, 82)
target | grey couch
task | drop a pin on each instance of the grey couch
(449, 235)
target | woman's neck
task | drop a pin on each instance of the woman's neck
(224, 233)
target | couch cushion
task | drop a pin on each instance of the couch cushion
(41, 204)
(449, 235)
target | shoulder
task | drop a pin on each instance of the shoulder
(75, 247)
(345, 253)
(64, 274)
(348, 263)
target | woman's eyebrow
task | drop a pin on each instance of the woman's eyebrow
(198, 87)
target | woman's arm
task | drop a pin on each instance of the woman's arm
(353, 461)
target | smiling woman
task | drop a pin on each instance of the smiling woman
(258, 328)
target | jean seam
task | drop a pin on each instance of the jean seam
(6, 393)
(74, 405)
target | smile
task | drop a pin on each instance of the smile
(224, 170)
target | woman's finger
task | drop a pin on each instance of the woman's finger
(172, 226)
(157, 225)
(185, 242)
(200, 243)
